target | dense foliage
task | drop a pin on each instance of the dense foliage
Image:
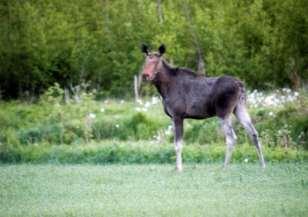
(264, 42)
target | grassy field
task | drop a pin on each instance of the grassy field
(154, 190)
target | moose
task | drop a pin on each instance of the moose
(186, 94)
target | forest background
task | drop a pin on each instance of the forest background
(263, 42)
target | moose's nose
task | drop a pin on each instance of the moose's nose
(148, 71)
(145, 76)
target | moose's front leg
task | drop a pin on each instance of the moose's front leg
(178, 134)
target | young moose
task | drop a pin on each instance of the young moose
(186, 94)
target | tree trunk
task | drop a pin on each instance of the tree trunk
(200, 62)
(137, 86)
(160, 12)
(136, 89)
(295, 79)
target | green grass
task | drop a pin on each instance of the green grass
(140, 152)
(154, 190)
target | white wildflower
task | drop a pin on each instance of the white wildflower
(168, 131)
(268, 101)
(117, 125)
(276, 98)
(155, 100)
(287, 90)
(102, 110)
(92, 116)
(147, 105)
(290, 98)
(246, 160)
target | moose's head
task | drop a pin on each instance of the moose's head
(153, 62)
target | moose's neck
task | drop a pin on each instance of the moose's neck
(165, 77)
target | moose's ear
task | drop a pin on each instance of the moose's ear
(145, 49)
(162, 49)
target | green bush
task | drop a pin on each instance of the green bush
(136, 126)
(108, 129)
(288, 128)
(52, 133)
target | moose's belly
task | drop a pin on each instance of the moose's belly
(199, 109)
(196, 108)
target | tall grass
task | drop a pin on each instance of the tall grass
(41, 127)
(141, 152)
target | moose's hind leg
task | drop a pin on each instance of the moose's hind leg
(230, 138)
(244, 118)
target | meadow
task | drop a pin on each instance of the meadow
(154, 190)
(87, 157)
(75, 142)
(83, 129)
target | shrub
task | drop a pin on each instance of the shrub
(49, 132)
(137, 126)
